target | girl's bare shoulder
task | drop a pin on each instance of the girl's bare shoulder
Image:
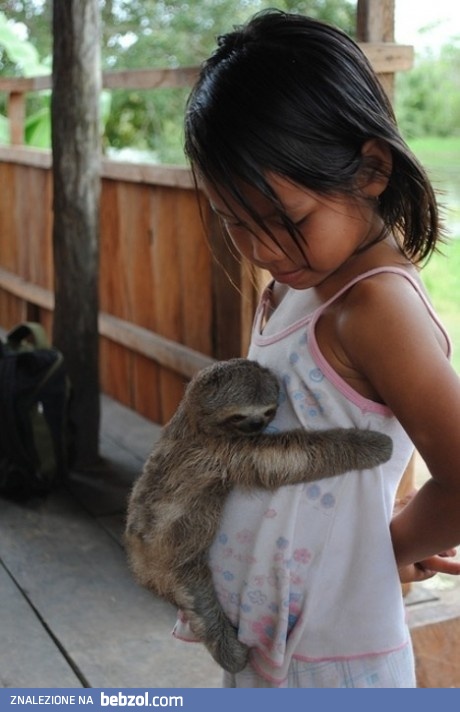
(381, 328)
(385, 310)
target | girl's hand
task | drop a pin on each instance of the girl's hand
(423, 570)
(426, 569)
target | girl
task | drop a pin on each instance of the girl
(294, 141)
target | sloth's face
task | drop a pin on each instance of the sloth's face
(248, 421)
(237, 396)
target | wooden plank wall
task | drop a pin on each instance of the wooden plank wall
(25, 236)
(155, 272)
(158, 278)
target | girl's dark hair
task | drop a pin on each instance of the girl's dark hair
(294, 96)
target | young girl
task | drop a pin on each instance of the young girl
(294, 141)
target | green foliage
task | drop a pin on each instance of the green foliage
(428, 96)
(167, 33)
(20, 56)
(4, 130)
(38, 128)
(148, 120)
(23, 59)
(441, 157)
(34, 16)
(437, 151)
(442, 280)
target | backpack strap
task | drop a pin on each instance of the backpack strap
(31, 330)
(10, 441)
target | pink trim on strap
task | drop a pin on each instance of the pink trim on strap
(365, 404)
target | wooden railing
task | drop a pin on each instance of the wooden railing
(387, 58)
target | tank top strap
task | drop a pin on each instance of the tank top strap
(362, 277)
(386, 270)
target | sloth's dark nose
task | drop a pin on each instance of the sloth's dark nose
(254, 424)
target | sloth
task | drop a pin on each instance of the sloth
(214, 442)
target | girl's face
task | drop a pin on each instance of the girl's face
(331, 230)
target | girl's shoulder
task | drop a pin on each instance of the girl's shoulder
(385, 288)
(365, 300)
(374, 322)
(376, 281)
(388, 300)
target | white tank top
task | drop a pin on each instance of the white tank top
(308, 571)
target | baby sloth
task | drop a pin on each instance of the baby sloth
(215, 441)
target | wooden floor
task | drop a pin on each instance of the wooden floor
(71, 614)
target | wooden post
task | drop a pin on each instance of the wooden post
(16, 115)
(76, 179)
(375, 21)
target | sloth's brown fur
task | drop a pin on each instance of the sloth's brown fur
(215, 441)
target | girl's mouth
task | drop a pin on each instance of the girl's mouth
(287, 277)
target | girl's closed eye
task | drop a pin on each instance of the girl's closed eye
(301, 222)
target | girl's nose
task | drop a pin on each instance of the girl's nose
(264, 250)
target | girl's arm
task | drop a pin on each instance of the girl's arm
(422, 570)
(388, 336)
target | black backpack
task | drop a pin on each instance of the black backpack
(35, 436)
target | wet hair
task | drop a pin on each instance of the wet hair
(290, 95)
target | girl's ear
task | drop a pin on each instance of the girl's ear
(377, 164)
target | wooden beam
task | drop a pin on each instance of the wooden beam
(174, 356)
(150, 78)
(174, 176)
(387, 57)
(126, 79)
(395, 55)
(26, 156)
(152, 174)
(25, 84)
(27, 291)
(166, 352)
